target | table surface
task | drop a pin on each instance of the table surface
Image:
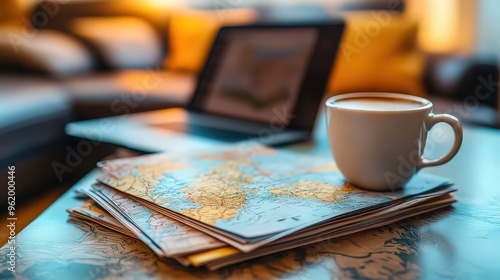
(462, 241)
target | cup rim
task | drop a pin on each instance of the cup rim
(426, 104)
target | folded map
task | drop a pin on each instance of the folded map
(225, 205)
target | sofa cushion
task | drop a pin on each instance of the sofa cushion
(378, 53)
(121, 42)
(469, 79)
(43, 51)
(191, 34)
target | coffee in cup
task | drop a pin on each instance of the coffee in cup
(378, 139)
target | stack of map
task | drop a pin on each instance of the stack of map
(216, 208)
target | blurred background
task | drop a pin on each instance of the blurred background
(67, 60)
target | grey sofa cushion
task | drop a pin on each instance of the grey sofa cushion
(120, 42)
(44, 51)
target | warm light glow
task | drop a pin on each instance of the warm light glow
(445, 26)
(164, 3)
(439, 25)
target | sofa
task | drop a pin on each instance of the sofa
(49, 77)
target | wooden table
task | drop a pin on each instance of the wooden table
(462, 241)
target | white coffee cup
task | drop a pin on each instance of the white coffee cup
(377, 139)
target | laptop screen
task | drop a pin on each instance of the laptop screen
(259, 73)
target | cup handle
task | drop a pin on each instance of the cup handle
(431, 120)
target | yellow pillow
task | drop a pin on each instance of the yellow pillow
(191, 34)
(10, 13)
(378, 50)
(378, 53)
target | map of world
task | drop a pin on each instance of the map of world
(250, 192)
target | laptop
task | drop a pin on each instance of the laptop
(260, 82)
